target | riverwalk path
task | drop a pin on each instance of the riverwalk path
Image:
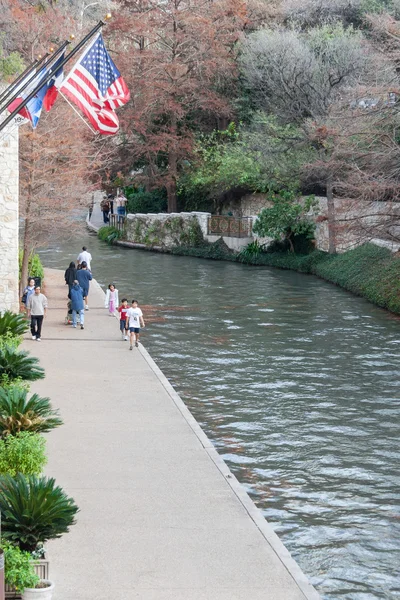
(161, 516)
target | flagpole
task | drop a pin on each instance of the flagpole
(47, 78)
(20, 77)
(79, 115)
(48, 63)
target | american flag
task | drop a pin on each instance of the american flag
(95, 85)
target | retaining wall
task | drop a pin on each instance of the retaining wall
(9, 178)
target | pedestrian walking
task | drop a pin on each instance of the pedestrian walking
(84, 277)
(30, 288)
(86, 257)
(77, 304)
(70, 276)
(37, 310)
(111, 301)
(105, 207)
(122, 310)
(134, 320)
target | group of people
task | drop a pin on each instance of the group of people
(130, 318)
(107, 206)
(78, 278)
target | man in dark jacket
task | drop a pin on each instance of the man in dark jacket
(76, 295)
(84, 276)
(70, 276)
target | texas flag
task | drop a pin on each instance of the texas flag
(45, 96)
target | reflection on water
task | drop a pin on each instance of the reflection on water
(297, 384)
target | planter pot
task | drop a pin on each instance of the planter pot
(44, 593)
(41, 569)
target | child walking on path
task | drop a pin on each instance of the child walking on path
(111, 301)
(122, 310)
(134, 318)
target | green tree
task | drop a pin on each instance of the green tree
(10, 64)
(286, 218)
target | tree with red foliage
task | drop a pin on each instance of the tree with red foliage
(178, 59)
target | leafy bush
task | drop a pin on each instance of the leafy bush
(109, 234)
(22, 453)
(18, 413)
(140, 201)
(251, 252)
(34, 510)
(12, 327)
(13, 323)
(14, 365)
(19, 572)
(285, 218)
(35, 267)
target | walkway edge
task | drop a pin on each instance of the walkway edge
(254, 513)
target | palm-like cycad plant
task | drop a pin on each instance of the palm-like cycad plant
(34, 510)
(18, 413)
(14, 365)
(12, 324)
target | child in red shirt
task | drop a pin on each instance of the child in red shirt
(122, 319)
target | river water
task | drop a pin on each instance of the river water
(297, 383)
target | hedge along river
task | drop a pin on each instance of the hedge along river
(297, 384)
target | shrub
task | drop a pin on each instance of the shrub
(250, 252)
(13, 324)
(19, 570)
(18, 413)
(14, 365)
(34, 510)
(35, 267)
(109, 234)
(140, 201)
(12, 327)
(22, 453)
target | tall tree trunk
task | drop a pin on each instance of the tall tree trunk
(331, 216)
(173, 170)
(171, 190)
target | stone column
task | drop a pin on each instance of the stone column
(9, 187)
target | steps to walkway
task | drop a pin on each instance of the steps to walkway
(161, 516)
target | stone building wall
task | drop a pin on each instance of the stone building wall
(9, 177)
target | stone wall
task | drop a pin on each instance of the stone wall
(166, 230)
(9, 177)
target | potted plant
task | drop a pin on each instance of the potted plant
(20, 413)
(18, 365)
(24, 452)
(34, 510)
(19, 572)
(43, 590)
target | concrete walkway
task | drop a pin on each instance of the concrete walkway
(161, 516)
